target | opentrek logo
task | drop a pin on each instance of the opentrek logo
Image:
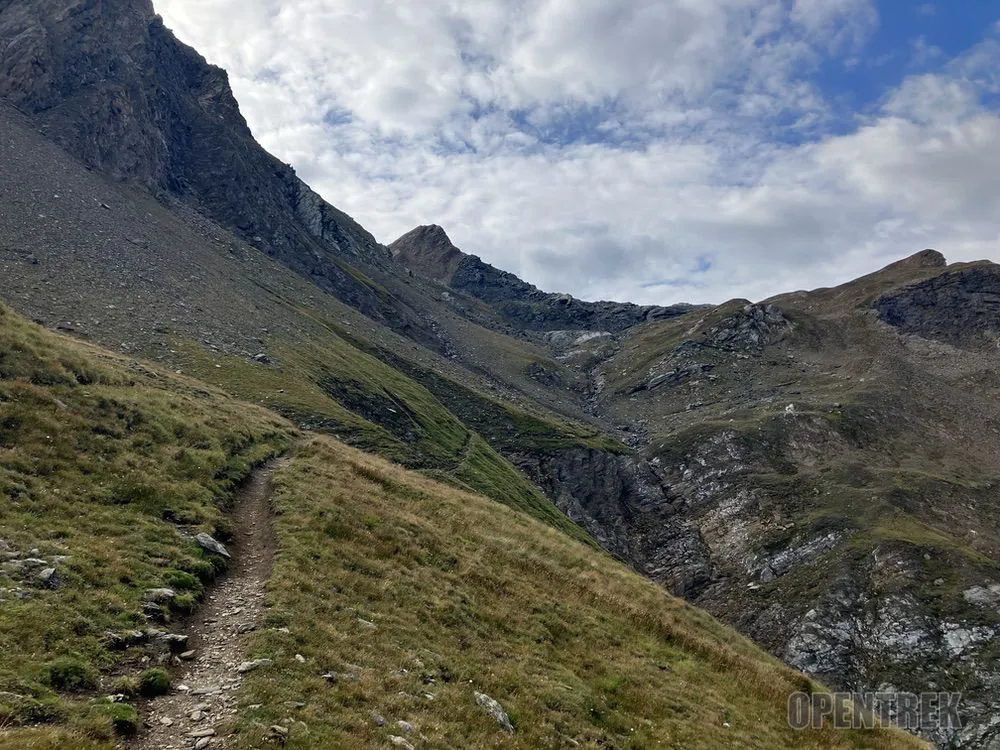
(911, 711)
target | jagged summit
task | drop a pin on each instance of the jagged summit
(428, 251)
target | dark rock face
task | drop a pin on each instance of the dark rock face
(622, 503)
(428, 251)
(958, 307)
(752, 329)
(108, 82)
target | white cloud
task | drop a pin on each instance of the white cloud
(652, 150)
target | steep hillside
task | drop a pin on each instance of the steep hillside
(109, 469)
(400, 597)
(112, 85)
(820, 471)
(106, 262)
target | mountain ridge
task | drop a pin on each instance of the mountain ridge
(429, 252)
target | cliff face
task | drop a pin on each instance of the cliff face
(108, 82)
(959, 307)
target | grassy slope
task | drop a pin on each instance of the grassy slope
(96, 451)
(198, 300)
(466, 595)
(332, 386)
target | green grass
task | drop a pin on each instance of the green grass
(507, 428)
(467, 595)
(108, 468)
(353, 395)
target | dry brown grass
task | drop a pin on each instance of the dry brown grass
(468, 595)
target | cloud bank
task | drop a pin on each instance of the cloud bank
(651, 150)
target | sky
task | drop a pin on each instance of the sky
(654, 151)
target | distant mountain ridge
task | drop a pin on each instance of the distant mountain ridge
(428, 251)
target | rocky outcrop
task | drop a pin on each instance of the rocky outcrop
(755, 327)
(428, 251)
(113, 86)
(620, 501)
(111, 83)
(721, 517)
(960, 307)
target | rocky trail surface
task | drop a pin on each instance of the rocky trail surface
(200, 709)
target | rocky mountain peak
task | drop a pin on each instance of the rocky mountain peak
(923, 259)
(428, 251)
(429, 234)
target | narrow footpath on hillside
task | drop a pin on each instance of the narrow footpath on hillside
(203, 698)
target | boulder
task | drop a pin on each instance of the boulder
(210, 544)
(159, 596)
(494, 709)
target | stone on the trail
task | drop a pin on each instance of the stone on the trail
(249, 666)
(188, 655)
(203, 743)
(400, 742)
(494, 709)
(210, 544)
(246, 627)
(159, 596)
(209, 732)
(166, 721)
(114, 641)
(197, 715)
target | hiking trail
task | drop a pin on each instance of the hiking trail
(202, 704)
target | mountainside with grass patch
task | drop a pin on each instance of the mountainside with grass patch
(109, 469)
(817, 470)
(402, 598)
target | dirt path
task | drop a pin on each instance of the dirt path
(203, 703)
